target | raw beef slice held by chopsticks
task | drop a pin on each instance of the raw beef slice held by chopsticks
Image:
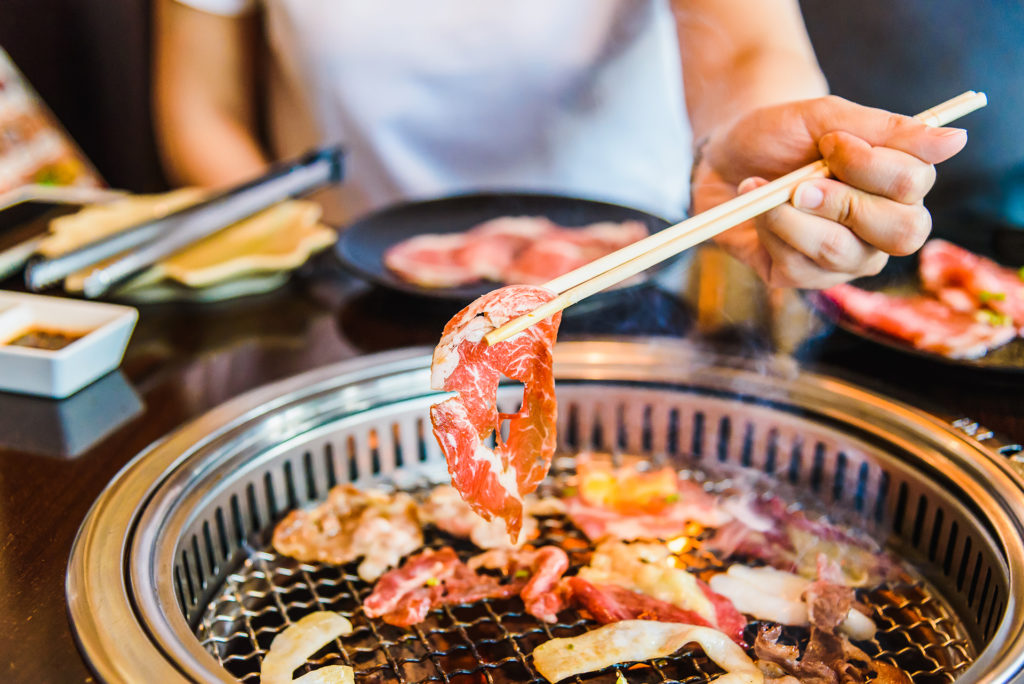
(494, 481)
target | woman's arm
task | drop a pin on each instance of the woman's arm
(738, 55)
(755, 96)
(204, 96)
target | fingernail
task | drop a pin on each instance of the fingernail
(826, 145)
(746, 185)
(808, 196)
(948, 132)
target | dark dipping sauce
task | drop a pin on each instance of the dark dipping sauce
(50, 340)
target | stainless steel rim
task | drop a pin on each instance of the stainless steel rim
(131, 628)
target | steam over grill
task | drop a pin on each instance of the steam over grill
(195, 591)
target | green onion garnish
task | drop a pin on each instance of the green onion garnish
(991, 296)
(992, 318)
(432, 582)
(521, 573)
(672, 498)
(568, 491)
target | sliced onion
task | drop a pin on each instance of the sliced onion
(636, 640)
(293, 647)
(774, 595)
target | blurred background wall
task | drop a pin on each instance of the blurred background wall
(89, 60)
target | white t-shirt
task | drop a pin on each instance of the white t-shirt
(580, 97)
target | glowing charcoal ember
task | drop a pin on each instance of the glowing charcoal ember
(494, 481)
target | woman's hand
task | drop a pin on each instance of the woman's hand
(833, 230)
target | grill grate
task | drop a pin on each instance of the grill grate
(490, 641)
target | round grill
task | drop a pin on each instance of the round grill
(172, 577)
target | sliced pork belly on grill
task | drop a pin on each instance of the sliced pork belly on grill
(925, 323)
(607, 603)
(944, 266)
(636, 640)
(353, 523)
(495, 481)
(544, 567)
(405, 595)
(431, 261)
(649, 569)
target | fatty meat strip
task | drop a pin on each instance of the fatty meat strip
(494, 481)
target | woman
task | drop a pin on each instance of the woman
(600, 98)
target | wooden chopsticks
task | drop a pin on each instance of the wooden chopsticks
(632, 259)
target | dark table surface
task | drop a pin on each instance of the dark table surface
(186, 358)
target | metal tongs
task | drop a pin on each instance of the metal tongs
(146, 244)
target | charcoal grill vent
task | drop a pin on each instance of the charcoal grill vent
(199, 594)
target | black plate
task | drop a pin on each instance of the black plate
(362, 245)
(900, 278)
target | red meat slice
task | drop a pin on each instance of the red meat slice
(405, 595)
(945, 266)
(430, 261)
(510, 249)
(544, 566)
(606, 236)
(924, 322)
(494, 481)
(609, 603)
(546, 259)
(491, 247)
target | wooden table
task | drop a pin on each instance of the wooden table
(186, 358)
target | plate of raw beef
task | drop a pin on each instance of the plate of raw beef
(462, 246)
(944, 303)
